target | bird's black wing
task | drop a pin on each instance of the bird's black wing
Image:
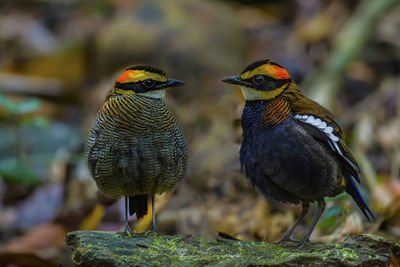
(329, 134)
(350, 170)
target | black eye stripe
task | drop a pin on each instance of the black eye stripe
(149, 83)
(268, 84)
(137, 87)
(266, 78)
(258, 79)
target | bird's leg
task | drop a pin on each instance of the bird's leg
(288, 234)
(321, 208)
(154, 217)
(127, 227)
(153, 213)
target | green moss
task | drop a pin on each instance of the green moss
(110, 249)
(347, 253)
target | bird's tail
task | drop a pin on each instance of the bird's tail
(138, 205)
(352, 190)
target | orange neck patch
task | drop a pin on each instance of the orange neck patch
(269, 70)
(275, 112)
(132, 76)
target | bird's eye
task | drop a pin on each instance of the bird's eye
(148, 83)
(258, 79)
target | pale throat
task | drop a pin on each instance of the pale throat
(253, 94)
(154, 93)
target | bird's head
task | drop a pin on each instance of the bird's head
(261, 80)
(144, 80)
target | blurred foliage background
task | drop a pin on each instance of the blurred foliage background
(58, 59)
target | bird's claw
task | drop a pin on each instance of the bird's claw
(149, 232)
(286, 240)
(127, 229)
(302, 243)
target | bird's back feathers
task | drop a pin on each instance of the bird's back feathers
(309, 111)
(320, 123)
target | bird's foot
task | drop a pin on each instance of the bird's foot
(302, 243)
(127, 229)
(286, 239)
(149, 232)
(293, 243)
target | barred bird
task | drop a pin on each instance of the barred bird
(292, 150)
(136, 148)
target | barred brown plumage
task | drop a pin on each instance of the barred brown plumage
(135, 147)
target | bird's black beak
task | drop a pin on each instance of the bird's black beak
(235, 80)
(172, 83)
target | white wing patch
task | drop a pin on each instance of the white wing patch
(322, 125)
(329, 131)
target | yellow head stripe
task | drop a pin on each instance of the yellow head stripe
(124, 92)
(132, 76)
(267, 69)
(152, 93)
(253, 94)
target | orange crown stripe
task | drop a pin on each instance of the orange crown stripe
(268, 70)
(124, 77)
(280, 73)
(132, 76)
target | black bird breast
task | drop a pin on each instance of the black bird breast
(284, 161)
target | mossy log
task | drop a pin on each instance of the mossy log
(95, 248)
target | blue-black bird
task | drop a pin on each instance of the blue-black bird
(293, 150)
